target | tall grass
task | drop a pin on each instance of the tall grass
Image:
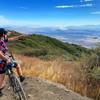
(72, 74)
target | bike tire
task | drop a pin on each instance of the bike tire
(17, 87)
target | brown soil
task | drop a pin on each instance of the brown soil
(39, 89)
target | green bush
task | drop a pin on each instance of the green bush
(36, 53)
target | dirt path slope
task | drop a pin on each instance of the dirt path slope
(38, 89)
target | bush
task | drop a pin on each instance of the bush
(36, 53)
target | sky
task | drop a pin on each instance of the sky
(49, 12)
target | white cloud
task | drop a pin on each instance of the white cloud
(90, 40)
(3, 20)
(65, 6)
(6, 21)
(86, 5)
(62, 38)
(86, 0)
(75, 6)
(96, 13)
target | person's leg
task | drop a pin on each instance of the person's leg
(2, 80)
(19, 72)
(2, 83)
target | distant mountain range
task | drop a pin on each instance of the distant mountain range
(87, 36)
(86, 27)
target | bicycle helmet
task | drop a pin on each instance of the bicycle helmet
(2, 32)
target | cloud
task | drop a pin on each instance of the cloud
(96, 13)
(65, 6)
(75, 6)
(6, 21)
(3, 20)
(62, 38)
(86, 5)
(86, 0)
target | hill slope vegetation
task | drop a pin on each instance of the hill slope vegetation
(46, 47)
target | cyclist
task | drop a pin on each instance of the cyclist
(6, 58)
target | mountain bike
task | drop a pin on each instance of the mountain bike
(15, 83)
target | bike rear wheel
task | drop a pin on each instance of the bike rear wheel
(17, 87)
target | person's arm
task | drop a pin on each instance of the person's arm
(2, 56)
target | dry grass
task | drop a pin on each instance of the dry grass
(67, 73)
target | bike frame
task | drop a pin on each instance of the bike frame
(15, 84)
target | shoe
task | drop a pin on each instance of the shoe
(1, 94)
(22, 78)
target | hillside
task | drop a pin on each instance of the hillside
(78, 71)
(46, 47)
(37, 89)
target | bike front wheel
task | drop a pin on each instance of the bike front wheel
(17, 88)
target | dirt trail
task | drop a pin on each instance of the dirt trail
(38, 89)
(15, 37)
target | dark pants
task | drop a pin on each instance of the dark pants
(13, 64)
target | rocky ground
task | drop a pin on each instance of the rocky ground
(38, 89)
